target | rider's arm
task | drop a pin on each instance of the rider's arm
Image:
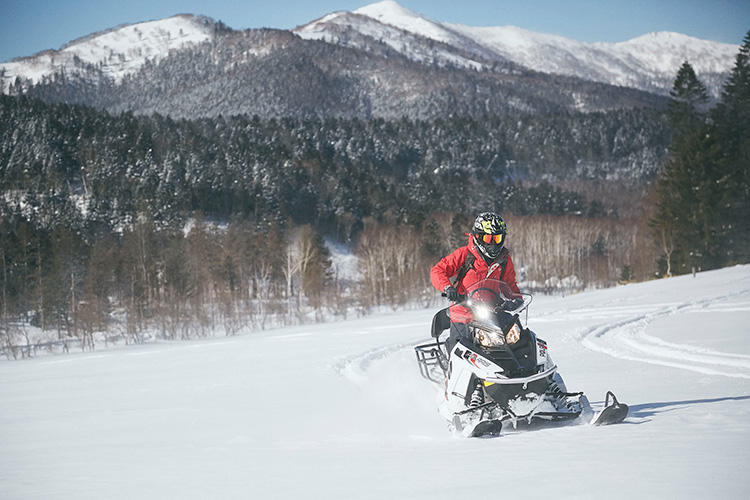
(447, 267)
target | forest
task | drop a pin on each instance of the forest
(125, 228)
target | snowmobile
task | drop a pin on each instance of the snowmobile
(494, 370)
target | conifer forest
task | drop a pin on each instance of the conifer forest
(120, 227)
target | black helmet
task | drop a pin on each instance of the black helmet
(489, 234)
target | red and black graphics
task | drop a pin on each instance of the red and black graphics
(472, 358)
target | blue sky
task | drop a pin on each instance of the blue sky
(28, 26)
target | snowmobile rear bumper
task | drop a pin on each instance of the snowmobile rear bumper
(432, 360)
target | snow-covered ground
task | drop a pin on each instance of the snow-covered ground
(340, 411)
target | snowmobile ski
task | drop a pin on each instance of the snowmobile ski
(614, 412)
(487, 428)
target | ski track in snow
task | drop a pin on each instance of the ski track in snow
(354, 368)
(627, 339)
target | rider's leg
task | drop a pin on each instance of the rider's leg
(458, 331)
(440, 322)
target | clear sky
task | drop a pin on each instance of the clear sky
(29, 26)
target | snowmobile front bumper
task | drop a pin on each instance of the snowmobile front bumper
(524, 381)
(504, 390)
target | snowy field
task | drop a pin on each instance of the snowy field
(340, 411)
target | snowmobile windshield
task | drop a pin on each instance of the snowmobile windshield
(487, 297)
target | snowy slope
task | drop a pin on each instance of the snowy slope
(649, 62)
(119, 51)
(341, 28)
(339, 410)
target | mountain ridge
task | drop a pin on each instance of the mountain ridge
(379, 61)
(627, 63)
(112, 49)
(647, 62)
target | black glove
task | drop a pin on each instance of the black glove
(511, 305)
(450, 293)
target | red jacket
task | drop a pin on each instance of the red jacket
(449, 265)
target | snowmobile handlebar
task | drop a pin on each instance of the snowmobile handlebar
(506, 305)
(461, 298)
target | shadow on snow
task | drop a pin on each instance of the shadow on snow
(650, 409)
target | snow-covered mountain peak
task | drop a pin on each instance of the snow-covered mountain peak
(400, 29)
(666, 51)
(662, 38)
(648, 62)
(387, 11)
(393, 14)
(119, 51)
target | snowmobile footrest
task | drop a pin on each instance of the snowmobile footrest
(472, 409)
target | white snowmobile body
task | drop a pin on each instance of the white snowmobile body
(497, 369)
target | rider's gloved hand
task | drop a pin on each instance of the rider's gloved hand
(511, 305)
(451, 293)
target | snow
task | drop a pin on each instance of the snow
(344, 262)
(120, 51)
(390, 12)
(339, 410)
(641, 62)
(649, 62)
(398, 38)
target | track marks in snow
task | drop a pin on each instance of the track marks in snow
(355, 368)
(627, 339)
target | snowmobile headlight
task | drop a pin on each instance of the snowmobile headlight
(514, 334)
(482, 312)
(488, 338)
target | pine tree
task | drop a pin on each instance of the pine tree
(681, 223)
(732, 119)
(688, 98)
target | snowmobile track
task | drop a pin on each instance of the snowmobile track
(355, 367)
(627, 339)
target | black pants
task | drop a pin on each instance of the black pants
(441, 322)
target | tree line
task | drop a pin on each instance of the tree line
(62, 289)
(702, 219)
(76, 166)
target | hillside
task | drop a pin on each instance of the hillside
(73, 165)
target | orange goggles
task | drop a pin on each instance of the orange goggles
(491, 238)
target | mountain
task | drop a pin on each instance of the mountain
(275, 73)
(381, 61)
(648, 62)
(116, 52)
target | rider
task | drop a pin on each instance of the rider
(486, 248)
